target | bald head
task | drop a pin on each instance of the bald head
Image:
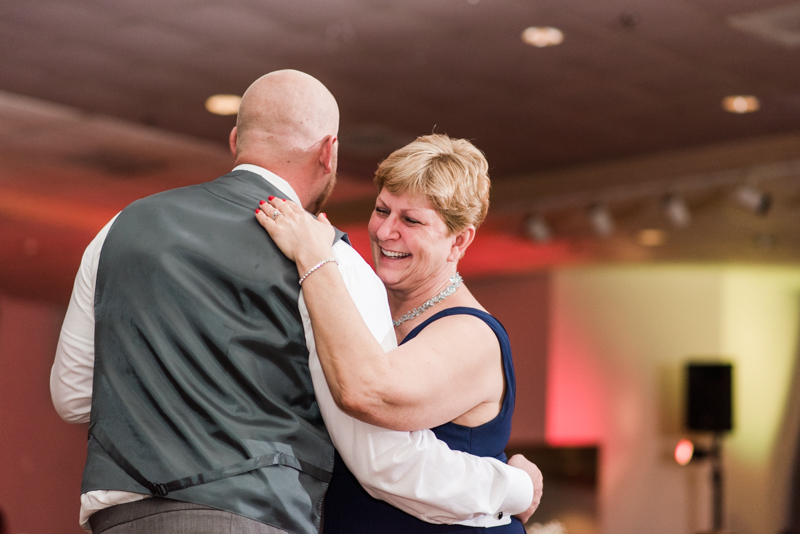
(285, 111)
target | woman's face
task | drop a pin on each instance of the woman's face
(409, 240)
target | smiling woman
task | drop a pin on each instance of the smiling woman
(453, 371)
(434, 193)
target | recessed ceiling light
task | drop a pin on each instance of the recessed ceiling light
(542, 36)
(223, 104)
(651, 237)
(740, 104)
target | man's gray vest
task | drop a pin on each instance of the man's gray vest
(202, 391)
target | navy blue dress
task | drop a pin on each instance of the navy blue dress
(349, 509)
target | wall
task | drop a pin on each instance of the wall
(521, 303)
(42, 457)
(761, 314)
(619, 338)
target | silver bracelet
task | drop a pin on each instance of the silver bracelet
(317, 266)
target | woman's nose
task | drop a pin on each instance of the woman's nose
(386, 229)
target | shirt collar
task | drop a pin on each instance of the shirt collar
(282, 185)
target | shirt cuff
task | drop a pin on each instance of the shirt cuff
(520, 492)
(518, 498)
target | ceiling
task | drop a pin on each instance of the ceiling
(102, 102)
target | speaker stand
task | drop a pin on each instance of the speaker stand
(716, 479)
(714, 454)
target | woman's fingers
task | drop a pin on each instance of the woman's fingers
(285, 207)
(262, 217)
(295, 231)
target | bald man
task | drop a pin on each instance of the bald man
(184, 348)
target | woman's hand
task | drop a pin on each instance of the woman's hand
(303, 239)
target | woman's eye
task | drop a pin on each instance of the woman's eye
(382, 211)
(412, 221)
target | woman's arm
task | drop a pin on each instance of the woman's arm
(414, 471)
(441, 374)
(444, 372)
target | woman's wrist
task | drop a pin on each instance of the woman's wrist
(315, 267)
(307, 261)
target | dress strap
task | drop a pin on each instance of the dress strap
(502, 338)
(493, 323)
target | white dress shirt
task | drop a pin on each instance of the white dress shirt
(413, 471)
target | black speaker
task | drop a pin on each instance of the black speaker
(708, 402)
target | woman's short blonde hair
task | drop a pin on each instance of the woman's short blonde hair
(450, 173)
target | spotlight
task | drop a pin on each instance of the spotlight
(684, 451)
(537, 229)
(677, 211)
(753, 199)
(601, 220)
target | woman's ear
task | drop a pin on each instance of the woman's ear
(460, 243)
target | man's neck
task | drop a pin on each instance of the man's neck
(297, 178)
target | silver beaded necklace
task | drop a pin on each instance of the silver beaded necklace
(455, 281)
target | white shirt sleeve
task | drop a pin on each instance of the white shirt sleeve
(73, 369)
(413, 471)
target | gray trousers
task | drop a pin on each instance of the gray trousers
(156, 516)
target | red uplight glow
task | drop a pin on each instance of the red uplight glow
(684, 451)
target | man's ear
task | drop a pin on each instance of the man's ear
(326, 153)
(461, 242)
(232, 138)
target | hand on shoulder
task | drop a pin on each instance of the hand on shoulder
(302, 238)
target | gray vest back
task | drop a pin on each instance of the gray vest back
(201, 367)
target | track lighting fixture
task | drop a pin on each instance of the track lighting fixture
(602, 222)
(537, 229)
(676, 210)
(742, 187)
(753, 199)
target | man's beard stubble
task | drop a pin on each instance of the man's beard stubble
(316, 208)
(326, 191)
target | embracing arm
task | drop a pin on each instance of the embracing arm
(441, 374)
(73, 369)
(414, 471)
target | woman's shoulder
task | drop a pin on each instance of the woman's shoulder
(459, 327)
(467, 307)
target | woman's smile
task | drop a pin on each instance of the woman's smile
(410, 243)
(393, 254)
